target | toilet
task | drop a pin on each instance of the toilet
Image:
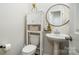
(30, 49)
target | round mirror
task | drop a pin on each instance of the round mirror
(58, 15)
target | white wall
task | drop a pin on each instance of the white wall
(74, 25)
(12, 18)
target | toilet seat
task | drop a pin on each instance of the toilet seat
(29, 49)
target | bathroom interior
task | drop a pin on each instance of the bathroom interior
(39, 29)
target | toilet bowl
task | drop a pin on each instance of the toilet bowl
(29, 50)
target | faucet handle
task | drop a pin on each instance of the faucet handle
(68, 38)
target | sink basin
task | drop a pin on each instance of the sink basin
(53, 36)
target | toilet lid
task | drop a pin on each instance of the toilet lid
(29, 48)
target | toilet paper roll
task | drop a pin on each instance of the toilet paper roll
(7, 47)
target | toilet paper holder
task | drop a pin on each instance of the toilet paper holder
(2, 46)
(5, 47)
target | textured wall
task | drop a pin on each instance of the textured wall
(12, 18)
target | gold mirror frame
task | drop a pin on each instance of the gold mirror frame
(48, 11)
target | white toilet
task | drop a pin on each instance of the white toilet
(30, 49)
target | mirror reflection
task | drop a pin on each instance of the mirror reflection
(58, 15)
